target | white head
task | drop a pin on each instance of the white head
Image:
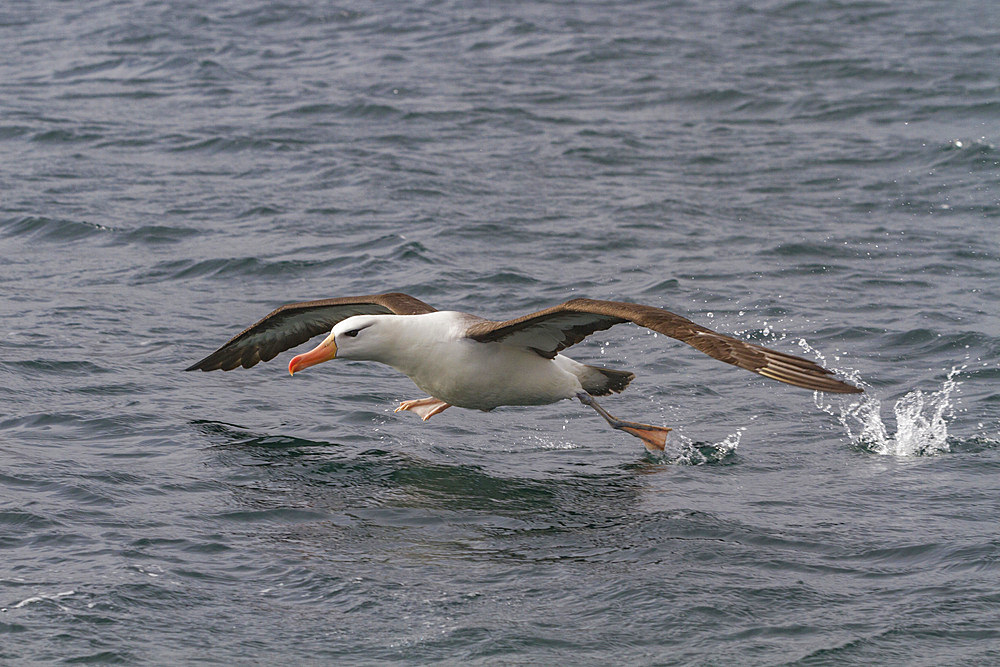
(361, 338)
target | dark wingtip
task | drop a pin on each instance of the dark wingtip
(200, 366)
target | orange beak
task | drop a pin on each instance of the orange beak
(325, 351)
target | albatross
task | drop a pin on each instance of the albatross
(470, 362)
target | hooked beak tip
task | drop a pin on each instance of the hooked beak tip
(323, 352)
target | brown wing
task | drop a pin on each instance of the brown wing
(295, 323)
(554, 329)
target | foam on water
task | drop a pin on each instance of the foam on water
(42, 597)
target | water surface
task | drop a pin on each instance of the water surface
(817, 177)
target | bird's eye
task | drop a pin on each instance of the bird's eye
(352, 333)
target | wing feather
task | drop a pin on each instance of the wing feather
(295, 323)
(552, 330)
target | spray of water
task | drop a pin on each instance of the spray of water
(682, 450)
(921, 418)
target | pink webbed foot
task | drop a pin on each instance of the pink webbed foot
(424, 407)
(653, 437)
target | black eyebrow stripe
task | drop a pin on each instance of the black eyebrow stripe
(358, 330)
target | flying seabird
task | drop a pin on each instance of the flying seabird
(471, 362)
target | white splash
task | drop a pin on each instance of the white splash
(921, 420)
(682, 450)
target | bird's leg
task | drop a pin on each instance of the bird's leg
(654, 437)
(424, 407)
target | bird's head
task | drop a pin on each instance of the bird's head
(360, 338)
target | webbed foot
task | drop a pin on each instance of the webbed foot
(424, 407)
(653, 437)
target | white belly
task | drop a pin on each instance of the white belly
(484, 376)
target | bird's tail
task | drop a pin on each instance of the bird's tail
(599, 381)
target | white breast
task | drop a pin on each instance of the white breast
(433, 351)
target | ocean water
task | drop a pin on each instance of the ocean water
(820, 177)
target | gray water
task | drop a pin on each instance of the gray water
(818, 177)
